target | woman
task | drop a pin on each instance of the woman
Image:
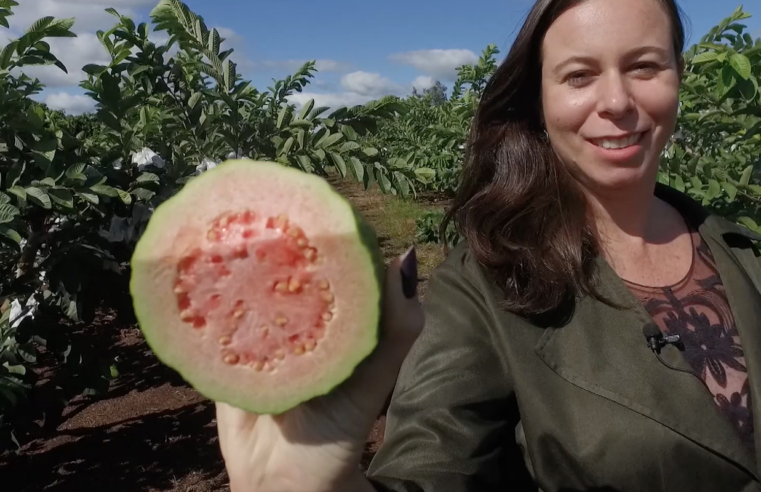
(535, 368)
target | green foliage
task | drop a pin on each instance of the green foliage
(53, 200)
(429, 230)
(716, 154)
(428, 139)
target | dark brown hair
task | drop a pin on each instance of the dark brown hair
(523, 215)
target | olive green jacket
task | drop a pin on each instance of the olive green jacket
(487, 401)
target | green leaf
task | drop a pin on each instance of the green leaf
(229, 73)
(741, 64)
(306, 109)
(194, 100)
(357, 169)
(148, 177)
(301, 123)
(679, 183)
(713, 189)
(109, 120)
(7, 213)
(125, 197)
(18, 191)
(10, 234)
(329, 140)
(7, 54)
(704, 57)
(62, 197)
(4, 199)
(300, 138)
(287, 146)
(730, 189)
(305, 162)
(338, 161)
(281, 116)
(214, 42)
(745, 178)
(104, 190)
(75, 170)
(38, 196)
(402, 184)
(94, 70)
(90, 197)
(370, 151)
(349, 146)
(425, 174)
(349, 132)
(143, 194)
(747, 222)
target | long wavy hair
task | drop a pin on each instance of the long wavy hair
(523, 215)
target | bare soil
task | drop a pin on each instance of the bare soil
(151, 431)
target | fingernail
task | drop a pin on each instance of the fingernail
(409, 273)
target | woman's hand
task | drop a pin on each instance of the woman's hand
(316, 447)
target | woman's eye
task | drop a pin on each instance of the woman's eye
(646, 68)
(578, 78)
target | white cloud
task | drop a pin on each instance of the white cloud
(423, 82)
(441, 64)
(90, 15)
(74, 53)
(70, 103)
(370, 84)
(331, 100)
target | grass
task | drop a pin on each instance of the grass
(394, 220)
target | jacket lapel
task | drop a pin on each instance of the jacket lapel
(602, 349)
(742, 282)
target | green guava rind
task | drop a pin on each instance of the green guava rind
(141, 284)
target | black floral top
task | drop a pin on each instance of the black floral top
(696, 309)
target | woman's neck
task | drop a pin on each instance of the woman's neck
(633, 220)
(636, 231)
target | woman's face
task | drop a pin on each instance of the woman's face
(610, 90)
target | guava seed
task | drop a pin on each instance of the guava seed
(294, 285)
(225, 340)
(231, 359)
(281, 287)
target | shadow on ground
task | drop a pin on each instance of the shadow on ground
(151, 452)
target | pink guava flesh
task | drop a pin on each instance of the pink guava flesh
(255, 288)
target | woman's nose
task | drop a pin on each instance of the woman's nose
(614, 98)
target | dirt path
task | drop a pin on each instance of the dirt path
(151, 432)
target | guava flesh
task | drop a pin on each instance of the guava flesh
(259, 284)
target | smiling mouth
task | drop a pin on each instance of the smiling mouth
(617, 143)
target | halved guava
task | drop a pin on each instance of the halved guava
(259, 284)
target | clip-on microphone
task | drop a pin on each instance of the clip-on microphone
(655, 339)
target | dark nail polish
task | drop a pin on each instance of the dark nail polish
(409, 274)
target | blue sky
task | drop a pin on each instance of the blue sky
(364, 49)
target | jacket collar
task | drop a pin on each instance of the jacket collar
(696, 215)
(602, 349)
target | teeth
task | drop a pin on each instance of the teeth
(618, 143)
